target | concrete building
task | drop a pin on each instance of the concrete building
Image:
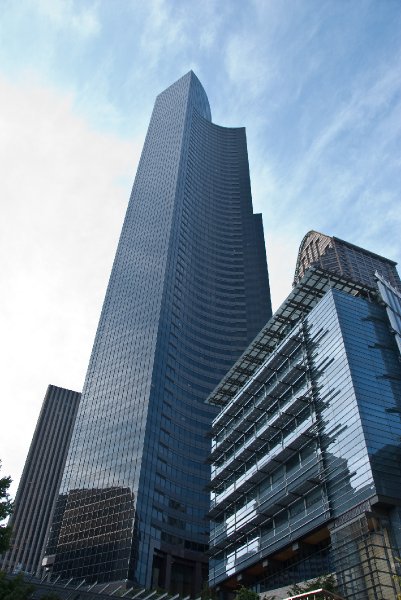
(40, 481)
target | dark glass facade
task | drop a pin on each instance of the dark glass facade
(188, 291)
(307, 446)
(40, 481)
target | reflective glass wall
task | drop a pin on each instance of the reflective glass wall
(188, 291)
(310, 443)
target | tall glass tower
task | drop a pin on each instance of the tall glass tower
(188, 291)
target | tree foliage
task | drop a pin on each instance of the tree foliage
(207, 593)
(397, 577)
(6, 507)
(325, 582)
(244, 594)
(14, 588)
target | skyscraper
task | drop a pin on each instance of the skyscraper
(40, 481)
(306, 448)
(188, 291)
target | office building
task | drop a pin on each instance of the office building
(188, 291)
(306, 448)
(341, 257)
(40, 481)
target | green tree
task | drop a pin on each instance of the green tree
(6, 507)
(207, 593)
(244, 594)
(14, 588)
(325, 582)
(397, 577)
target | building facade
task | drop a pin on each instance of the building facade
(338, 256)
(306, 448)
(40, 481)
(188, 291)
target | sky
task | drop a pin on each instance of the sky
(316, 83)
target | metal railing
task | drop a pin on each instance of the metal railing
(81, 590)
(319, 594)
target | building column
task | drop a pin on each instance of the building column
(167, 572)
(197, 583)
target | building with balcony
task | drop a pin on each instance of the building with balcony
(306, 447)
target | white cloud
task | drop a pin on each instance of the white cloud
(64, 191)
(248, 67)
(281, 249)
(67, 14)
(163, 31)
(281, 243)
(341, 167)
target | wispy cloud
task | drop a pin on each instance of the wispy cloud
(360, 116)
(163, 30)
(68, 14)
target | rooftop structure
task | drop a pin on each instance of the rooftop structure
(345, 259)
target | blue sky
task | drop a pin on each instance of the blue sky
(316, 83)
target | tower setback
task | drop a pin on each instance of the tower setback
(188, 291)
